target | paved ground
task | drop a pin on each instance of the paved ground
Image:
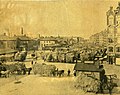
(36, 85)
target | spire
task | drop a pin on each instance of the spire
(110, 11)
(39, 35)
(111, 8)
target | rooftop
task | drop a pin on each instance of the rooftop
(87, 67)
(25, 38)
(47, 39)
(6, 38)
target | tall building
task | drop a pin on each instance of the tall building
(113, 28)
(99, 39)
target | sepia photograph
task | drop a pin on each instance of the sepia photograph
(59, 47)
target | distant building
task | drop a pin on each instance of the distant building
(56, 42)
(7, 42)
(46, 41)
(24, 42)
(80, 39)
(99, 39)
(94, 39)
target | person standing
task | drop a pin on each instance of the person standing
(102, 79)
(74, 72)
(68, 72)
(32, 62)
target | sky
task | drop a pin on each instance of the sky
(55, 17)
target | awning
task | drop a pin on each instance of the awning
(87, 67)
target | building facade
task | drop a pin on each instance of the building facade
(113, 28)
(7, 42)
(46, 41)
(99, 39)
(25, 42)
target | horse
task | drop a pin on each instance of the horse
(60, 72)
(54, 73)
(26, 70)
(57, 72)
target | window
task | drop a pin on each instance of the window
(117, 49)
(111, 20)
(118, 19)
(110, 49)
(110, 40)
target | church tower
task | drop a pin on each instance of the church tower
(110, 17)
(117, 20)
(111, 25)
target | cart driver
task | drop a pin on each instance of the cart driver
(102, 78)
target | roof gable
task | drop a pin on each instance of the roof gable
(24, 38)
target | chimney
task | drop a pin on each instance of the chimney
(22, 32)
(4, 34)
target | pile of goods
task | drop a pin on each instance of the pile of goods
(61, 57)
(15, 67)
(7, 69)
(43, 69)
(69, 57)
(87, 82)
